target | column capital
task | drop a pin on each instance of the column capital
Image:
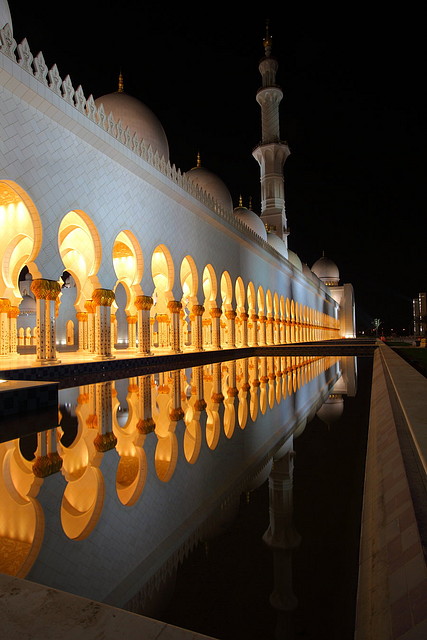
(13, 312)
(89, 306)
(198, 309)
(230, 314)
(131, 319)
(215, 313)
(103, 297)
(143, 303)
(81, 316)
(45, 289)
(174, 306)
(4, 305)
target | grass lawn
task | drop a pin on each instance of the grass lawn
(416, 356)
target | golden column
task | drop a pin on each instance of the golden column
(262, 331)
(230, 314)
(13, 314)
(269, 329)
(175, 307)
(47, 459)
(132, 321)
(145, 422)
(83, 330)
(216, 328)
(197, 334)
(244, 317)
(4, 327)
(143, 305)
(90, 308)
(254, 331)
(103, 299)
(46, 293)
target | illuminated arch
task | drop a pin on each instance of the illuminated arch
(210, 286)
(128, 261)
(80, 249)
(20, 237)
(226, 290)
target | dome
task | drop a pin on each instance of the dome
(138, 117)
(277, 243)
(326, 270)
(212, 184)
(5, 17)
(251, 220)
(294, 259)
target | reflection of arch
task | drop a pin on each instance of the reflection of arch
(166, 456)
(213, 428)
(22, 524)
(20, 237)
(80, 250)
(192, 440)
(82, 504)
(131, 476)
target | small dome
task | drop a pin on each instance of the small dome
(332, 410)
(138, 117)
(294, 259)
(5, 17)
(326, 270)
(277, 243)
(306, 270)
(251, 220)
(27, 306)
(212, 184)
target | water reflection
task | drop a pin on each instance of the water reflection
(108, 502)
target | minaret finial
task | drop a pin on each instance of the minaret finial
(121, 88)
(199, 164)
(267, 40)
(240, 201)
(250, 203)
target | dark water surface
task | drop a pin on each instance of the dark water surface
(224, 587)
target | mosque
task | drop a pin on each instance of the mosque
(106, 245)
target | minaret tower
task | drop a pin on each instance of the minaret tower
(271, 153)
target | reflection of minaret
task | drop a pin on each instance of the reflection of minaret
(271, 153)
(282, 538)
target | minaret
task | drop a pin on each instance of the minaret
(271, 153)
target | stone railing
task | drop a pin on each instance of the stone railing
(36, 66)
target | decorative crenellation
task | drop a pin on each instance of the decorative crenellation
(50, 78)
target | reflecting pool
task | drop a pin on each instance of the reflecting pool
(208, 497)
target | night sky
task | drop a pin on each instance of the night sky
(353, 114)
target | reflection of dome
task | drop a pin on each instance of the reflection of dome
(331, 411)
(326, 270)
(277, 243)
(250, 219)
(5, 17)
(27, 306)
(138, 117)
(294, 259)
(212, 184)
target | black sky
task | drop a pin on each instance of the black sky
(353, 114)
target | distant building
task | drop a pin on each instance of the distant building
(419, 307)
